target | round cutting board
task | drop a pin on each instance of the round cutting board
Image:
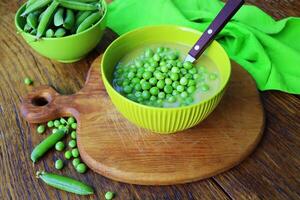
(117, 149)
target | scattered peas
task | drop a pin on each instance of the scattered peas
(72, 143)
(59, 146)
(68, 154)
(28, 81)
(71, 120)
(75, 153)
(41, 129)
(109, 195)
(50, 124)
(73, 135)
(54, 130)
(59, 164)
(56, 123)
(81, 168)
(75, 162)
(74, 125)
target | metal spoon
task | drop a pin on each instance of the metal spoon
(227, 12)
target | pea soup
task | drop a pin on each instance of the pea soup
(158, 76)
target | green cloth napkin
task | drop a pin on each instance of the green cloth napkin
(269, 50)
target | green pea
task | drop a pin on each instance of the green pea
(189, 100)
(162, 63)
(49, 33)
(65, 183)
(184, 94)
(153, 81)
(160, 84)
(175, 93)
(28, 81)
(126, 82)
(139, 63)
(71, 120)
(68, 155)
(75, 153)
(172, 99)
(175, 70)
(193, 71)
(161, 95)
(73, 135)
(147, 75)
(59, 164)
(127, 89)
(59, 146)
(156, 57)
(61, 126)
(168, 81)
(191, 82)
(159, 75)
(41, 129)
(172, 56)
(153, 98)
(191, 89)
(146, 95)
(213, 76)
(69, 20)
(146, 85)
(54, 130)
(168, 89)
(72, 143)
(50, 124)
(75, 162)
(179, 64)
(204, 87)
(159, 49)
(174, 76)
(180, 88)
(183, 71)
(149, 53)
(81, 168)
(153, 66)
(164, 69)
(175, 84)
(154, 90)
(187, 65)
(188, 76)
(56, 123)
(138, 87)
(109, 195)
(60, 32)
(183, 81)
(74, 125)
(138, 94)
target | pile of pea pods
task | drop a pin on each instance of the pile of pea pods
(59, 18)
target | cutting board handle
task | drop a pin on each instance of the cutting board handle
(44, 103)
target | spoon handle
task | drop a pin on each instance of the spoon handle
(227, 12)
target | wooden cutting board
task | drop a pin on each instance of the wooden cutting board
(117, 149)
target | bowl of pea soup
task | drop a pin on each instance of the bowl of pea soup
(149, 83)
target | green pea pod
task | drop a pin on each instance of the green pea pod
(75, 5)
(82, 17)
(65, 183)
(89, 21)
(27, 28)
(30, 2)
(32, 20)
(46, 144)
(59, 17)
(49, 33)
(60, 32)
(86, 1)
(45, 20)
(41, 16)
(36, 6)
(69, 21)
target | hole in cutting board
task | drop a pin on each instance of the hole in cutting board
(39, 101)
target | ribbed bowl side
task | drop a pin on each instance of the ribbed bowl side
(165, 121)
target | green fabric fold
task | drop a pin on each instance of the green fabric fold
(269, 50)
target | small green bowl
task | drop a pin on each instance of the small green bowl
(162, 120)
(65, 49)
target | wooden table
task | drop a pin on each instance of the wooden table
(271, 172)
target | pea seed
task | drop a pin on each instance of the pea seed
(146, 95)
(68, 154)
(71, 120)
(73, 135)
(174, 76)
(149, 53)
(54, 130)
(161, 95)
(50, 124)
(127, 89)
(75, 162)
(72, 143)
(75, 153)
(160, 84)
(191, 89)
(81, 168)
(180, 88)
(59, 164)
(41, 129)
(168, 89)
(171, 99)
(184, 94)
(28, 81)
(74, 125)
(156, 57)
(187, 65)
(204, 87)
(146, 86)
(56, 123)
(59, 146)
(109, 195)
(154, 90)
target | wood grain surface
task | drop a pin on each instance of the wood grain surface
(271, 172)
(112, 146)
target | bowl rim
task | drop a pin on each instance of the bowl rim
(177, 27)
(17, 15)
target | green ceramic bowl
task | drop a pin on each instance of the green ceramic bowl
(66, 49)
(162, 120)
